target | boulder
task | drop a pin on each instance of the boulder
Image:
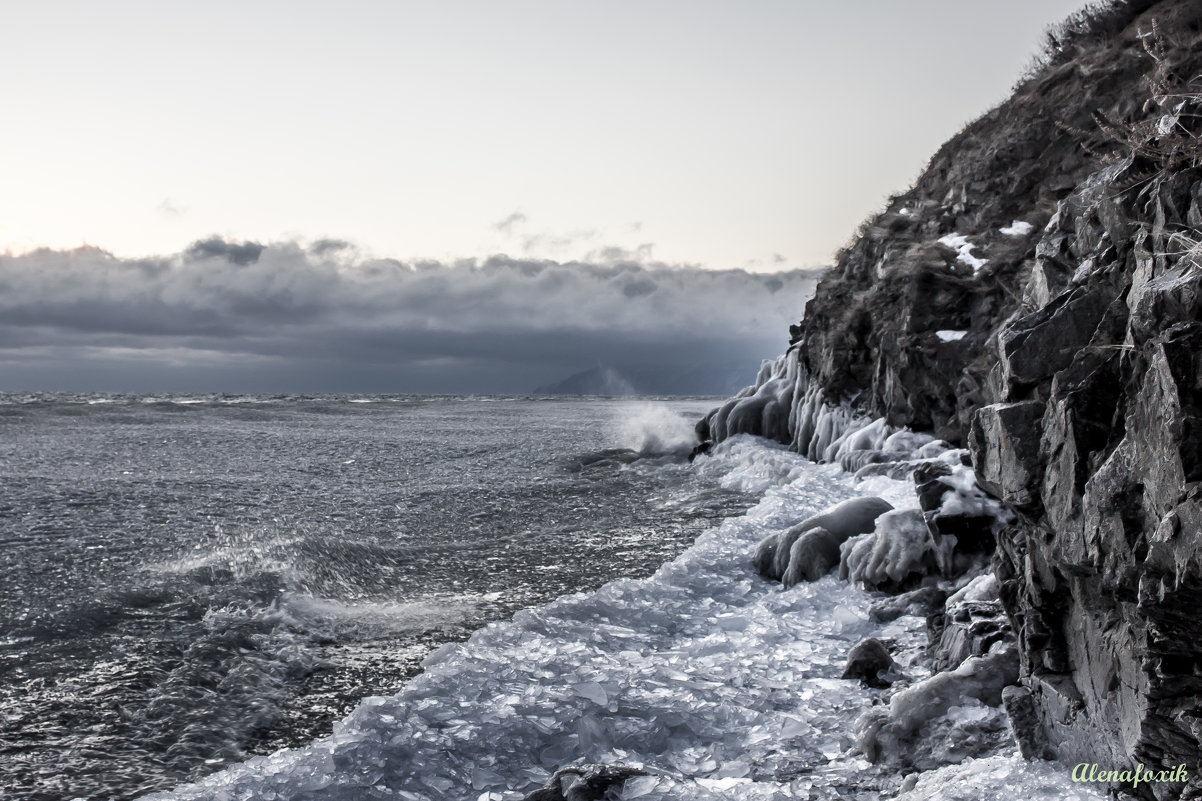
(1004, 442)
(970, 624)
(585, 783)
(812, 556)
(870, 662)
(921, 602)
(841, 521)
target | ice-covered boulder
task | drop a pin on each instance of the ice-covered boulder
(813, 555)
(890, 734)
(854, 516)
(585, 783)
(954, 505)
(970, 624)
(895, 556)
(920, 602)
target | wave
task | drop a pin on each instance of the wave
(711, 679)
(651, 429)
(714, 682)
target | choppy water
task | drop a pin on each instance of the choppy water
(185, 582)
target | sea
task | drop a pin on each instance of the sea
(188, 581)
(424, 598)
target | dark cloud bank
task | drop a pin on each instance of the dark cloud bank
(244, 317)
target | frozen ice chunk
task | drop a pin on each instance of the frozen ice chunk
(980, 589)
(639, 786)
(592, 691)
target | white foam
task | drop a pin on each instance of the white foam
(653, 429)
(416, 615)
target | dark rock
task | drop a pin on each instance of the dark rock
(703, 449)
(929, 489)
(870, 662)
(966, 629)
(921, 602)
(1024, 723)
(584, 783)
(1037, 346)
(1102, 569)
(971, 622)
(965, 518)
(1004, 442)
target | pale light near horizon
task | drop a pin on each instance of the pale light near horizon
(728, 135)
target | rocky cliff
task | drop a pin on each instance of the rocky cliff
(1037, 297)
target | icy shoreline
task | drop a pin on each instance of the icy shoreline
(715, 682)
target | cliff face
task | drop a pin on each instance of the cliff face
(1096, 441)
(1037, 296)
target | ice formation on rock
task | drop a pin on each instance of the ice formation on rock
(813, 555)
(785, 406)
(897, 554)
(892, 733)
(775, 556)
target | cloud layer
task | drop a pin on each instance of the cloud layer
(287, 317)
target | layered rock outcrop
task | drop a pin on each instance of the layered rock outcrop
(1095, 440)
(1037, 297)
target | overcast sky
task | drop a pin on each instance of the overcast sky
(518, 151)
(242, 317)
(719, 133)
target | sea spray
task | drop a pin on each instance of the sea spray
(653, 429)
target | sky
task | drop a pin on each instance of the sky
(678, 137)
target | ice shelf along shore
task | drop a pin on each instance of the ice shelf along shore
(714, 681)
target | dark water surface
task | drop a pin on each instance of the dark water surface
(188, 581)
